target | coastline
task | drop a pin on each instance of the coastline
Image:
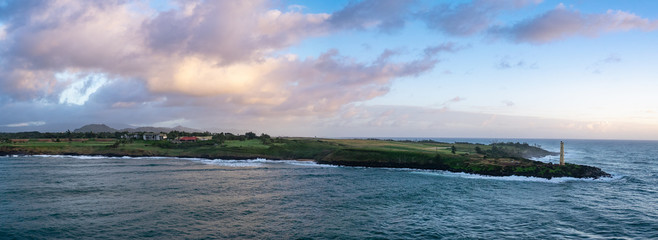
(488, 160)
(591, 172)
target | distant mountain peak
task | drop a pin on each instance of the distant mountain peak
(95, 128)
(98, 128)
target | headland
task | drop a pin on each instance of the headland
(496, 159)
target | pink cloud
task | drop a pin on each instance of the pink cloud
(196, 54)
(561, 23)
(212, 29)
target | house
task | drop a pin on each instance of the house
(204, 138)
(133, 136)
(154, 136)
(187, 139)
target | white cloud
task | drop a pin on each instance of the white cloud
(81, 88)
(171, 123)
(25, 124)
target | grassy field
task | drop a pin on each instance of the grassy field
(494, 159)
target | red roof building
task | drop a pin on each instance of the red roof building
(187, 139)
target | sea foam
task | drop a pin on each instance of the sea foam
(258, 162)
(514, 177)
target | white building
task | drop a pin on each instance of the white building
(154, 136)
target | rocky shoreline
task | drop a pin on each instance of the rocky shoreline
(490, 161)
(547, 171)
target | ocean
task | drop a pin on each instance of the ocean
(92, 197)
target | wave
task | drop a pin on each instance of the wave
(232, 163)
(259, 162)
(220, 162)
(87, 156)
(514, 177)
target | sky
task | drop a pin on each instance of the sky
(581, 69)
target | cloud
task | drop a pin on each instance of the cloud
(561, 23)
(456, 99)
(612, 58)
(469, 18)
(385, 15)
(3, 32)
(394, 121)
(54, 37)
(609, 60)
(78, 92)
(49, 37)
(480, 16)
(171, 123)
(25, 124)
(210, 29)
(194, 57)
(508, 62)
(444, 47)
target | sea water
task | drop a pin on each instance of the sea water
(50, 197)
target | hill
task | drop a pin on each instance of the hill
(95, 128)
(101, 128)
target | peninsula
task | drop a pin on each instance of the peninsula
(496, 159)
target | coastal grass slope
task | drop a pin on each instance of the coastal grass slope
(496, 159)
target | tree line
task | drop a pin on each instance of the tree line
(218, 137)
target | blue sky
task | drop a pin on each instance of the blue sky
(501, 69)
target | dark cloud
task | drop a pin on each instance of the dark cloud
(122, 93)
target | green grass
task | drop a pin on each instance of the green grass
(375, 153)
(253, 143)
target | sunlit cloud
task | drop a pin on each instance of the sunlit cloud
(197, 50)
(260, 63)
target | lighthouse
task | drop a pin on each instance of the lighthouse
(561, 153)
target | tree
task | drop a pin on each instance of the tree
(478, 150)
(219, 138)
(266, 139)
(453, 149)
(250, 135)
